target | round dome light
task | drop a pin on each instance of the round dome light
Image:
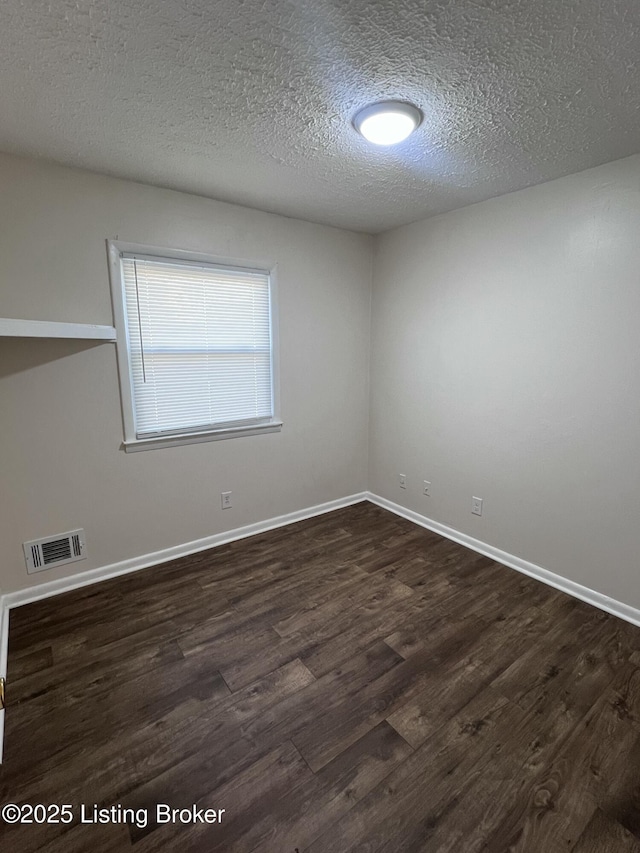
(388, 122)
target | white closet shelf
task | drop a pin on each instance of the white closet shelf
(10, 328)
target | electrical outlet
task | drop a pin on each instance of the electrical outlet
(476, 506)
(426, 488)
(403, 481)
(225, 500)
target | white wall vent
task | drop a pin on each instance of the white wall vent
(42, 554)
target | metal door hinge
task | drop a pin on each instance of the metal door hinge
(2, 686)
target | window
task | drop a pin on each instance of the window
(195, 347)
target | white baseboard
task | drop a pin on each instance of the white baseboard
(50, 588)
(591, 596)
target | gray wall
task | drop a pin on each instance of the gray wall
(60, 417)
(506, 364)
(505, 355)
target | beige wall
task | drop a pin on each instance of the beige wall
(60, 417)
(506, 364)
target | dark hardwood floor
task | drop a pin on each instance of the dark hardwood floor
(348, 683)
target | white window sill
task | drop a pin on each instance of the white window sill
(156, 442)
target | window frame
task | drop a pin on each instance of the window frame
(132, 443)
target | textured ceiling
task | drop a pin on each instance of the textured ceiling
(251, 100)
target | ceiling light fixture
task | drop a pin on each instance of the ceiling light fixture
(388, 122)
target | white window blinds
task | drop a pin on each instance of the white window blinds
(199, 345)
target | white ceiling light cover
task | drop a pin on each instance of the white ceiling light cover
(388, 122)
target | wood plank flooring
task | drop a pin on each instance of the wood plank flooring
(347, 683)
